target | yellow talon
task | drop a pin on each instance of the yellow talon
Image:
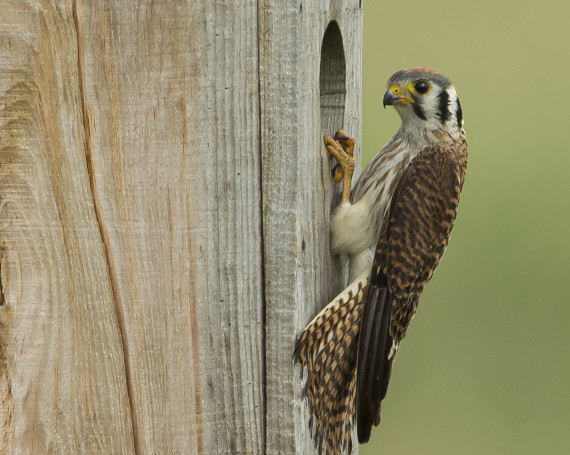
(338, 173)
(342, 149)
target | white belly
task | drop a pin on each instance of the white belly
(355, 226)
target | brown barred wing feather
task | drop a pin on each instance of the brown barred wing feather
(413, 238)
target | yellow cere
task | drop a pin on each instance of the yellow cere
(403, 98)
(395, 89)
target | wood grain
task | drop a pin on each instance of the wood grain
(164, 209)
(300, 275)
(173, 93)
(62, 377)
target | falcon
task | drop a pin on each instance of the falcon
(393, 227)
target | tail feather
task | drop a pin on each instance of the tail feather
(374, 361)
(334, 384)
(328, 348)
(321, 329)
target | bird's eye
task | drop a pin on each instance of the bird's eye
(422, 87)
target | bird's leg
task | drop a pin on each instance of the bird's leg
(342, 149)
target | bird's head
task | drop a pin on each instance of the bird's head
(426, 101)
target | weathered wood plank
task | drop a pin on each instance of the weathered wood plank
(62, 376)
(134, 156)
(172, 94)
(300, 275)
(130, 224)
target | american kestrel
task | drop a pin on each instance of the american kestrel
(394, 227)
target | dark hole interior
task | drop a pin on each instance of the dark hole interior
(332, 80)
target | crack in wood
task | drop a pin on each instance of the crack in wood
(262, 240)
(2, 301)
(98, 216)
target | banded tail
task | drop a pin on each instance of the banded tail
(328, 349)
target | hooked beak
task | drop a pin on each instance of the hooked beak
(393, 97)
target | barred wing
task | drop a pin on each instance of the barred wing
(413, 238)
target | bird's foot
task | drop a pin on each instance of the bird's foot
(342, 149)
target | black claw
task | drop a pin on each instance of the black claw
(337, 138)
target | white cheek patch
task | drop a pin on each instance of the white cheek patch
(431, 107)
(442, 113)
(452, 96)
(455, 106)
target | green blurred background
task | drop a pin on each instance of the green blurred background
(485, 367)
